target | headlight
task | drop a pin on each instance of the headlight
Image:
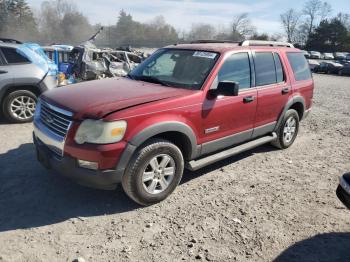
(100, 132)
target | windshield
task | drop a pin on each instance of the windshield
(176, 68)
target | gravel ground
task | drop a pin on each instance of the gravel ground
(262, 205)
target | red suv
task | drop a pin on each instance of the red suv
(186, 106)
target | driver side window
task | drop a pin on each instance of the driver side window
(236, 68)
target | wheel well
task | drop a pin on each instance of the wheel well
(180, 140)
(299, 107)
(11, 89)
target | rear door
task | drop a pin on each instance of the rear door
(273, 87)
(229, 120)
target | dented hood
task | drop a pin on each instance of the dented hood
(95, 99)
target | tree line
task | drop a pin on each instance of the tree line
(314, 28)
(60, 21)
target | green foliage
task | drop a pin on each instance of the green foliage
(16, 14)
(330, 36)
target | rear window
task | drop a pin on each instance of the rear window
(265, 69)
(12, 57)
(300, 66)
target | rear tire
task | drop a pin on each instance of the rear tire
(153, 172)
(19, 106)
(288, 130)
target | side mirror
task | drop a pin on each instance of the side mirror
(225, 88)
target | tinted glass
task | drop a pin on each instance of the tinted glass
(265, 69)
(176, 68)
(237, 69)
(279, 68)
(12, 57)
(300, 66)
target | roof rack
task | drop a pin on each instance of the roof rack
(265, 43)
(246, 43)
(8, 40)
(214, 41)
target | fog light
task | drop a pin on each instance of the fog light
(88, 164)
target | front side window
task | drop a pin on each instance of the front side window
(300, 66)
(236, 68)
(176, 68)
(265, 69)
(13, 57)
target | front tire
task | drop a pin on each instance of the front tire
(288, 130)
(19, 106)
(153, 172)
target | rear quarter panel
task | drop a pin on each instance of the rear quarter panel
(304, 88)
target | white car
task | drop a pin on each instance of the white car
(328, 56)
(315, 55)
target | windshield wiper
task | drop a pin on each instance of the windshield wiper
(152, 79)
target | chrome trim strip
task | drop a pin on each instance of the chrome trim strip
(344, 184)
(59, 110)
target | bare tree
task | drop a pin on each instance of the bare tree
(315, 10)
(290, 21)
(325, 11)
(242, 25)
(202, 31)
(344, 19)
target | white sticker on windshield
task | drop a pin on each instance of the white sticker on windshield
(202, 54)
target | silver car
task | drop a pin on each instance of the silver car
(23, 77)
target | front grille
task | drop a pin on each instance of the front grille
(56, 120)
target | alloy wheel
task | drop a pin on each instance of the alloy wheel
(158, 174)
(23, 107)
(289, 129)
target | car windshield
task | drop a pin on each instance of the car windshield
(176, 68)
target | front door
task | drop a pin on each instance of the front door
(229, 120)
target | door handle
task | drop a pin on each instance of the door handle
(248, 99)
(285, 90)
(3, 72)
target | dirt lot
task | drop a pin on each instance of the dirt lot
(263, 205)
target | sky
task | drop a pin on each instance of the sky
(264, 14)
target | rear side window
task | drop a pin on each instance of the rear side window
(237, 69)
(265, 69)
(300, 66)
(12, 57)
(279, 69)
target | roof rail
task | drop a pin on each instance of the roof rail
(265, 43)
(8, 40)
(214, 41)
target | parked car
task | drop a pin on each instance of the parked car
(315, 55)
(186, 106)
(328, 56)
(313, 64)
(345, 70)
(306, 54)
(343, 190)
(23, 77)
(53, 68)
(339, 56)
(328, 68)
(347, 58)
